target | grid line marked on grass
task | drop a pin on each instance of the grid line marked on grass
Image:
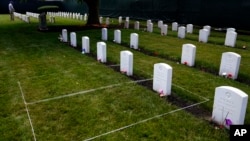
(145, 120)
(86, 91)
(27, 110)
(154, 117)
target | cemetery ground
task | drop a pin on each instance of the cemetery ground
(51, 91)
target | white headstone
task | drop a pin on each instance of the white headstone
(101, 52)
(188, 54)
(85, 18)
(160, 23)
(104, 34)
(73, 41)
(181, 32)
(85, 44)
(174, 26)
(208, 27)
(203, 35)
(126, 62)
(190, 28)
(107, 21)
(230, 38)
(229, 106)
(134, 37)
(148, 22)
(64, 35)
(150, 27)
(230, 29)
(101, 20)
(137, 25)
(230, 64)
(162, 80)
(164, 29)
(126, 24)
(117, 36)
(120, 20)
(127, 18)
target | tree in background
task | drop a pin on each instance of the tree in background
(93, 6)
(93, 17)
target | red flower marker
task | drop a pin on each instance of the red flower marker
(185, 63)
(229, 75)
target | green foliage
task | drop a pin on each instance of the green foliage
(46, 8)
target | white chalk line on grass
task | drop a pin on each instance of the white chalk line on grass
(86, 91)
(190, 92)
(142, 121)
(27, 110)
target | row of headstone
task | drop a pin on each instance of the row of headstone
(204, 33)
(230, 61)
(32, 14)
(70, 15)
(230, 103)
(229, 66)
(230, 39)
(22, 17)
(52, 19)
(134, 37)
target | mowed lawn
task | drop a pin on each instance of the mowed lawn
(50, 91)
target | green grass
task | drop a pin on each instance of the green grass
(48, 73)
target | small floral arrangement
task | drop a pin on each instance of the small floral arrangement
(229, 75)
(123, 71)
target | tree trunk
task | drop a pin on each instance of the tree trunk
(93, 17)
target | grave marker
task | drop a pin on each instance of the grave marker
(150, 27)
(137, 25)
(208, 27)
(164, 29)
(104, 34)
(230, 38)
(107, 21)
(100, 20)
(120, 20)
(85, 44)
(117, 36)
(73, 41)
(64, 35)
(203, 35)
(229, 106)
(101, 52)
(162, 80)
(188, 54)
(126, 62)
(230, 63)
(189, 28)
(134, 37)
(181, 32)
(160, 23)
(126, 24)
(174, 26)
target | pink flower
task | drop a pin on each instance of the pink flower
(229, 75)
